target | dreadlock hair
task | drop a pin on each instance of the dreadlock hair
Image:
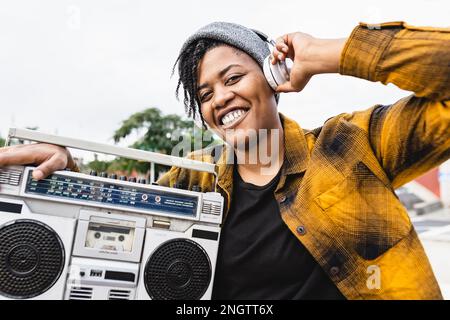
(188, 62)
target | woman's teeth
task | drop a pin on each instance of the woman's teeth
(233, 116)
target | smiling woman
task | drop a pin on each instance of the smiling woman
(231, 82)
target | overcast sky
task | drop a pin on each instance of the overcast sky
(78, 68)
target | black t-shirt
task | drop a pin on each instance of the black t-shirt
(259, 257)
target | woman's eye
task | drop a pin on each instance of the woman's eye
(233, 79)
(204, 96)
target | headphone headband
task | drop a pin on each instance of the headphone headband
(264, 37)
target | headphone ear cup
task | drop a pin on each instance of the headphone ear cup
(275, 74)
(267, 66)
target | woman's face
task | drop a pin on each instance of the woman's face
(234, 93)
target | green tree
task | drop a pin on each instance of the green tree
(2, 142)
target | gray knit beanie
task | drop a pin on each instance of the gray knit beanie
(233, 34)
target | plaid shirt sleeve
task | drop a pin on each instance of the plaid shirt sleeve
(412, 135)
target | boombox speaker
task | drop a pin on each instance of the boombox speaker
(34, 252)
(178, 269)
(31, 258)
(179, 265)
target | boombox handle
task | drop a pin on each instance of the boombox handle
(129, 153)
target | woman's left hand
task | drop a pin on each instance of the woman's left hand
(310, 55)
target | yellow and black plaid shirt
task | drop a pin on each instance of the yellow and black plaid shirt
(336, 191)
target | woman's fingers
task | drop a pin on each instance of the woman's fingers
(48, 158)
(56, 162)
(285, 46)
(280, 50)
(285, 87)
(282, 47)
(295, 84)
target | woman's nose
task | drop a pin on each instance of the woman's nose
(221, 97)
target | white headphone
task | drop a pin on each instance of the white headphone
(278, 73)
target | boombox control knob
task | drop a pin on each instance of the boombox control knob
(142, 181)
(93, 173)
(104, 175)
(178, 186)
(121, 238)
(123, 178)
(196, 188)
(132, 179)
(113, 176)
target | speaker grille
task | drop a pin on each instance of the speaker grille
(80, 293)
(31, 258)
(179, 269)
(10, 176)
(116, 294)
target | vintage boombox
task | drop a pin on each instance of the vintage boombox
(86, 237)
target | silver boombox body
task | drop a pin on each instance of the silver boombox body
(82, 237)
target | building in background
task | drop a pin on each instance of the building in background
(428, 193)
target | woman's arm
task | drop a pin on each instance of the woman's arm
(416, 59)
(412, 135)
